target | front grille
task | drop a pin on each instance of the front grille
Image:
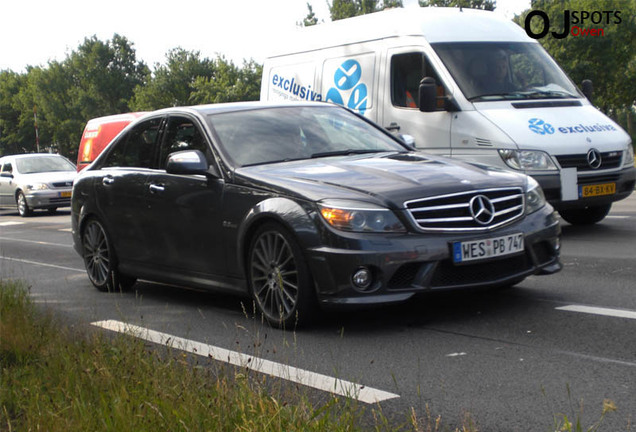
(453, 212)
(609, 160)
(64, 184)
(448, 275)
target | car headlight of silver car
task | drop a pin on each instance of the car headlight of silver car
(359, 216)
(527, 160)
(37, 186)
(535, 199)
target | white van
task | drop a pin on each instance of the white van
(467, 84)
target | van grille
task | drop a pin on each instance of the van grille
(609, 160)
(463, 211)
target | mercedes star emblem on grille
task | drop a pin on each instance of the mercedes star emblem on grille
(482, 209)
(594, 158)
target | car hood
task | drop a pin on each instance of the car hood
(48, 177)
(389, 179)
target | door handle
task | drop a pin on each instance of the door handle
(393, 127)
(156, 188)
(108, 181)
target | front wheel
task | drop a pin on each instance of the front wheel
(279, 278)
(100, 260)
(586, 215)
(23, 207)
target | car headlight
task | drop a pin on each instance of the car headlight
(37, 186)
(527, 160)
(629, 156)
(535, 199)
(358, 216)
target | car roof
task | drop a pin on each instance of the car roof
(239, 106)
(27, 155)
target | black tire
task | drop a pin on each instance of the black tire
(587, 215)
(52, 211)
(100, 259)
(279, 279)
(23, 207)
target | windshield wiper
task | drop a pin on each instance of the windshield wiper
(345, 152)
(557, 94)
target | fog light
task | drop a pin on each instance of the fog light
(362, 278)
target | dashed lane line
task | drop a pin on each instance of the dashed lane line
(617, 313)
(300, 376)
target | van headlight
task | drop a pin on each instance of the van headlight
(535, 199)
(629, 156)
(358, 216)
(527, 160)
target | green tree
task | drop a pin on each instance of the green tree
(310, 19)
(340, 9)
(468, 4)
(188, 79)
(608, 60)
(14, 133)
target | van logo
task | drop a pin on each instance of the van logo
(540, 127)
(594, 159)
(347, 83)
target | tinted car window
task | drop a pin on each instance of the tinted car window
(254, 137)
(137, 147)
(182, 134)
(7, 168)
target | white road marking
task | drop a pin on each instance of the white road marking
(617, 217)
(9, 223)
(42, 264)
(307, 378)
(617, 313)
(35, 242)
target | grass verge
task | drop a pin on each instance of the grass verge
(54, 378)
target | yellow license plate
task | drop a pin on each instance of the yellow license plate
(597, 190)
(65, 194)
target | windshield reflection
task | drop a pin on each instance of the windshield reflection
(501, 71)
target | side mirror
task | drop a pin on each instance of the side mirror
(188, 162)
(428, 94)
(409, 140)
(588, 89)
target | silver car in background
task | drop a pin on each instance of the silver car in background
(36, 181)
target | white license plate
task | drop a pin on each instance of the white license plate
(487, 248)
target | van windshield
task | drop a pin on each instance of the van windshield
(489, 71)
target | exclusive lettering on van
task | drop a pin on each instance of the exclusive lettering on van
(292, 89)
(540, 127)
(347, 84)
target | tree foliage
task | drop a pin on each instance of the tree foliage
(103, 78)
(341, 9)
(469, 4)
(608, 60)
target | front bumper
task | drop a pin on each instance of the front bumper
(48, 199)
(405, 265)
(624, 180)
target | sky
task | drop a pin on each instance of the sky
(34, 32)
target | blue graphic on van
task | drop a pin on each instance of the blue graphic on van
(540, 127)
(347, 80)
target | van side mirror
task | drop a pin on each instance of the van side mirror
(588, 89)
(188, 162)
(428, 94)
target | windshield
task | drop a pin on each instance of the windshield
(487, 71)
(41, 164)
(259, 136)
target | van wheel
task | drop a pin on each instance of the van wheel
(279, 278)
(587, 215)
(23, 207)
(100, 260)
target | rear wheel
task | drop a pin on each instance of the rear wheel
(100, 260)
(23, 207)
(279, 278)
(587, 215)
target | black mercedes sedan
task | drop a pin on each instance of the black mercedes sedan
(299, 206)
